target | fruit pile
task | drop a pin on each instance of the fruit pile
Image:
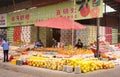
(48, 49)
(90, 64)
(86, 65)
(75, 52)
(54, 64)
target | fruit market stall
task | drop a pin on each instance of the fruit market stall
(67, 59)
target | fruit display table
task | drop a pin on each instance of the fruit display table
(67, 59)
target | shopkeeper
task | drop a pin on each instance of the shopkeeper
(79, 44)
(54, 43)
(39, 43)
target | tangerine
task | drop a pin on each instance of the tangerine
(95, 12)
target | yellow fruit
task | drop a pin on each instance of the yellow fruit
(34, 65)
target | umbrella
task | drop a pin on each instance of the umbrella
(61, 23)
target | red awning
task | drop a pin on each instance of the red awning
(61, 23)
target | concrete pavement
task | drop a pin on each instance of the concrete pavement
(9, 73)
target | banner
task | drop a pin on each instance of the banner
(3, 20)
(81, 10)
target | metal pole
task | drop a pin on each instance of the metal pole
(73, 24)
(14, 5)
(98, 24)
(38, 30)
(105, 14)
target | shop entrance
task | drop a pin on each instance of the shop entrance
(56, 34)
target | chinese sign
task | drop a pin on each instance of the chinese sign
(3, 22)
(81, 10)
(20, 17)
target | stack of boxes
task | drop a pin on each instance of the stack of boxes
(66, 36)
(83, 35)
(25, 34)
(17, 33)
(102, 33)
(33, 34)
(108, 34)
(114, 35)
(92, 30)
(42, 35)
(10, 32)
(45, 35)
(89, 34)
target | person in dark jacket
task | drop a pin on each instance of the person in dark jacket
(79, 44)
(39, 43)
(5, 45)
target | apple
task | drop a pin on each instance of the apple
(84, 11)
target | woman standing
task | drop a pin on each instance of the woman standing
(5, 45)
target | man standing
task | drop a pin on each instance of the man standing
(5, 45)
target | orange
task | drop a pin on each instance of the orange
(95, 12)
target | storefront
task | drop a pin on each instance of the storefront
(19, 20)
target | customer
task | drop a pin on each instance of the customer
(39, 43)
(5, 45)
(79, 44)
